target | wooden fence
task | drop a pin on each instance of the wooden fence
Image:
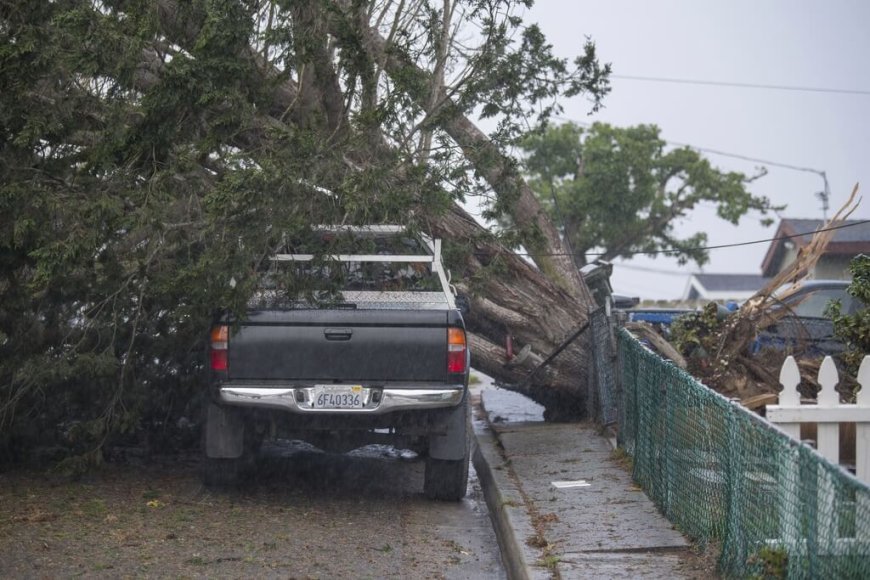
(827, 413)
(833, 509)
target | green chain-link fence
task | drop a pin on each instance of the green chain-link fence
(603, 394)
(723, 474)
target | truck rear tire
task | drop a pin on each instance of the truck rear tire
(446, 479)
(227, 431)
(221, 472)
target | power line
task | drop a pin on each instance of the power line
(824, 195)
(717, 151)
(741, 244)
(747, 158)
(741, 85)
(651, 270)
(704, 248)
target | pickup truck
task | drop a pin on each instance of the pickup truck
(374, 350)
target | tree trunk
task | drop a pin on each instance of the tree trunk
(524, 304)
(548, 250)
(537, 307)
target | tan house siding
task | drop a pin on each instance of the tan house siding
(833, 268)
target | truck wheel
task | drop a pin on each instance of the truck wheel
(228, 432)
(446, 479)
(218, 472)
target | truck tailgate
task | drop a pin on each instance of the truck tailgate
(340, 345)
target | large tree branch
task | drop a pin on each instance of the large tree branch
(320, 90)
(653, 225)
(494, 166)
(441, 40)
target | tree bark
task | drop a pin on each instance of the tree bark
(529, 307)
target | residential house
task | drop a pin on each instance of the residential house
(794, 234)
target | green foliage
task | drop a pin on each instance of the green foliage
(854, 329)
(772, 562)
(620, 191)
(524, 78)
(696, 335)
(153, 152)
(130, 202)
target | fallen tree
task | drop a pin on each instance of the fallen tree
(152, 152)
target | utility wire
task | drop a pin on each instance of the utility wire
(715, 151)
(824, 195)
(741, 85)
(747, 158)
(717, 247)
(651, 270)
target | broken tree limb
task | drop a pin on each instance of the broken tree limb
(659, 344)
(556, 352)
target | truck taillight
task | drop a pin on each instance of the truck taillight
(456, 350)
(218, 352)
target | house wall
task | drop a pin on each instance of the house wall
(833, 268)
(827, 268)
(788, 256)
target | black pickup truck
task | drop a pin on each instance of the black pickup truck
(383, 358)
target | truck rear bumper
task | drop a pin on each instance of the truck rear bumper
(375, 401)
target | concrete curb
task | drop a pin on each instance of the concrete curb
(486, 454)
(507, 507)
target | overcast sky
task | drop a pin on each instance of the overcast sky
(792, 43)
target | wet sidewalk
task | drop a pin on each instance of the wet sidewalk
(563, 501)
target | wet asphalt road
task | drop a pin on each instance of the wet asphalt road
(368, 505)
(304, 515)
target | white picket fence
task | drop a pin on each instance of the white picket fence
(827, 413)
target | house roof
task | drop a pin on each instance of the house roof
(724, 286)
(720, 282)
(851, 238)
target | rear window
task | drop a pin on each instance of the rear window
(326, 242)
(319, 268)
(331, 276)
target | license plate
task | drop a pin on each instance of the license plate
(339, 397)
